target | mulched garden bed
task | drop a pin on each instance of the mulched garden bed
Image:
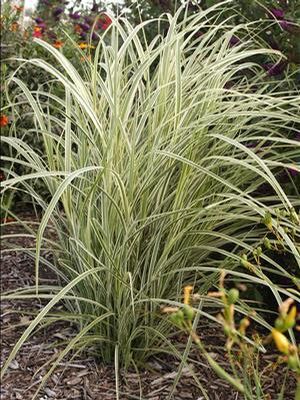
(84, 377)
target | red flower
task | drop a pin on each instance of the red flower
(3, 120)
(104, 26)
(37, 32)
(104, 22)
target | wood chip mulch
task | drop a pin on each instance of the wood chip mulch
(85, 378)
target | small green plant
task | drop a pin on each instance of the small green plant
(243, 365)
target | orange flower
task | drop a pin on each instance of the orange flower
(14, 27)
(18, 9)
(3, 120)
(58, 44)
(77, 28)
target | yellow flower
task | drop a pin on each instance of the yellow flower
(290, 319)
(284, 307)
(281, 341)
(293, 312)
(86, 46)
(187, 294)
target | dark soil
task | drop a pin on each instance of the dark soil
(82, 376)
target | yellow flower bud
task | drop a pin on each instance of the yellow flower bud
(284, 307)
(293, 312)
(244, 323)
(281, 341)
(290, 319)
(187, 294)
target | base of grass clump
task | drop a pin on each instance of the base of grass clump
(84, 375)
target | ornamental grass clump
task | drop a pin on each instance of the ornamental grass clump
(150, 176)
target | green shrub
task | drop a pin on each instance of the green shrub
(152, 178)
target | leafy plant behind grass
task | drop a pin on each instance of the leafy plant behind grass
(151, 178)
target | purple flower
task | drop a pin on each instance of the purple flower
(285, 25)
(85, 27)
(75, 15)
(94, 36)
(88, 20)
(82, 35)
(234, 41)
(277, 13)
(297, 136)
(293, 172)
(58, 11)
(39, 20)
(274, 69)
(42, 25)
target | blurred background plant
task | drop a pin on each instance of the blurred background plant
(279, 22)
(63, 30)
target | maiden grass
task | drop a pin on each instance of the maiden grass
(152, 182)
